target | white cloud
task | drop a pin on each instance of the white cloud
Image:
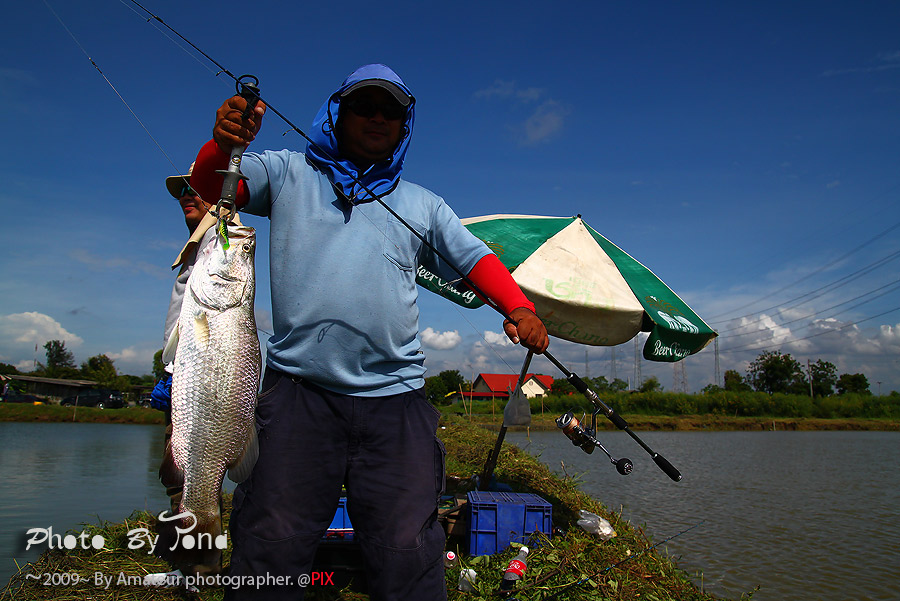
(497, 338)
(546, 121)
(35, 328)
(886, 61)
(507, 89)
(25, 365)
(441, 341)
(133, 360)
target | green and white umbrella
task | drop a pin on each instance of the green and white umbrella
(585, 288)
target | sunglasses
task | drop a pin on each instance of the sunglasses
(392, 111)
(186, 190)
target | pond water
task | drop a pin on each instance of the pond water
(804, 515)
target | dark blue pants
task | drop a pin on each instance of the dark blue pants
(311, 442)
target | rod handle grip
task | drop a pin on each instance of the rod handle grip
(667, 467)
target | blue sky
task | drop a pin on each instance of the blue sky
(748, 154)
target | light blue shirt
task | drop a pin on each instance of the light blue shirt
(343, 279)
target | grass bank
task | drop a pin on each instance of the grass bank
(22, 412)
(572, 566)
(709, 423)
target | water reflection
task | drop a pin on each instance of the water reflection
(61, 475)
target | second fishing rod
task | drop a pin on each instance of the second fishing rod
(589, 434)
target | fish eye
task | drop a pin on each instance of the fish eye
(247, 248)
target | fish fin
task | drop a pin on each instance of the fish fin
(168, 355)
(171, 476)
(201, 329)
(243, 467)
(203, 555)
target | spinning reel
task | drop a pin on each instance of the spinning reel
(586, 438)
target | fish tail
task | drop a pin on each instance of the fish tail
(191, 544)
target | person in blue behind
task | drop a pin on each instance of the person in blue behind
(342, 401)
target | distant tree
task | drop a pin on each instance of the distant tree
(435, 390)
(773, 371)
(711, 389)
(100, 369)
(853, 383)
(563, 386)
(618, 385)
(6, 368)
(824, 376)
(651, 384)
(159, 370)
(60, 361)
(598, 384)
(438, 387)
(453, 379)
(735, 382)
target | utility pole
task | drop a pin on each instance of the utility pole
(718, 371)
(679, 378)
(612, 371)
(809, 373)
(587, 369)
(637, 365)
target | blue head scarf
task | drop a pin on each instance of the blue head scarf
(323, 153)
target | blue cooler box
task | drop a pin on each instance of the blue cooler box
(497, 519)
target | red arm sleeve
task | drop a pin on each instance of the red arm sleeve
(494, 279)
(207, 182)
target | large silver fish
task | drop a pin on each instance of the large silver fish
(214, 388)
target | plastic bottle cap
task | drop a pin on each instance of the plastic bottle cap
(451, 555)
(524, 550)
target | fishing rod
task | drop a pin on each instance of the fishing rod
(573, 378)
(619, 563)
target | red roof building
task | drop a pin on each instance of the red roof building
(500, 385)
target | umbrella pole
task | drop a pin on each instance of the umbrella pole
(614, 417)
(488, 472)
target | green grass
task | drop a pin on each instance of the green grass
(21, 412)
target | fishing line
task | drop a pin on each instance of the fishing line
(488, 344)
(619, 563)
(171, 39)
(573, 378)
(463, 277)
(106, 79)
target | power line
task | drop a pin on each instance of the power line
(750, 347)
(809, 315)
(806, 277)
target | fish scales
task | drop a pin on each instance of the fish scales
(214, 389)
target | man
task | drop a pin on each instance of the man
(200, 224)
(342, 400)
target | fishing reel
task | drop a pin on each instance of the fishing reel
(586, 438)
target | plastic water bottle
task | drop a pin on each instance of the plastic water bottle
(515, 570)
